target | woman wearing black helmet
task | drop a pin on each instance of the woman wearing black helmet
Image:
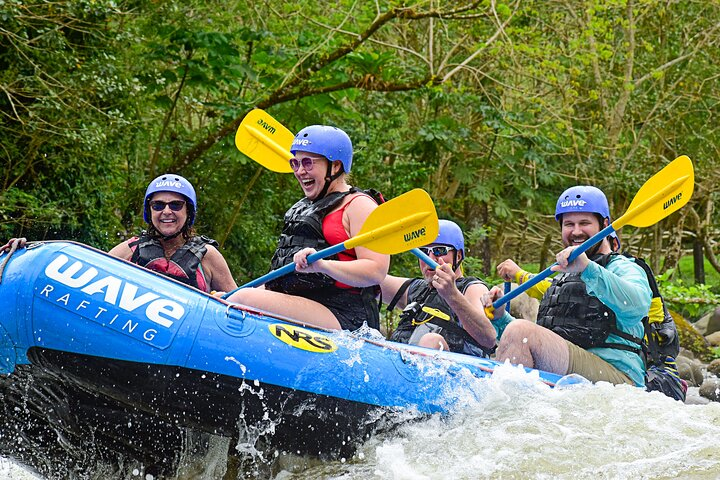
(170, 245)
(333, 293)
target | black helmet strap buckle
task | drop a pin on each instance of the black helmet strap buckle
(329, 178)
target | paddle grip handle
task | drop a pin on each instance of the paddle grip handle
(548, 271)
(289, 268)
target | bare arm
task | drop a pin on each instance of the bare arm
(370, 268)
(510, 271)
(390, 286)
(217, 271)
(467, 307)
(122, 251)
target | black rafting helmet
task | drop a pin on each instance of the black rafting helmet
(330, 142)
(589, 199)
(170, 182)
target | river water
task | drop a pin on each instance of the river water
(514, 427)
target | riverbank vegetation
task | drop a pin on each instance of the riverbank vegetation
(493, 107)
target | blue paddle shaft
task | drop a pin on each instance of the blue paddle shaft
(324, 253)
(507, 288)
(429, 261)
(548, 271)
(290, 267)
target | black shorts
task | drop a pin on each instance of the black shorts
(350, 309)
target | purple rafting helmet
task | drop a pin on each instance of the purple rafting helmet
(585, 198)
(330, 142)
(451, 234)
(170, 182)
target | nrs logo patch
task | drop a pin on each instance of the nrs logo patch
(302, 338)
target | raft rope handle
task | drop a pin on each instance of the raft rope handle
(13, 247)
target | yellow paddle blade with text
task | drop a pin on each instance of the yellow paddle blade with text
(265, 140)
(398, 225)
(664, 193)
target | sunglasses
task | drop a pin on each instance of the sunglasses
(306, 162)
(175, 205)
(437, 251)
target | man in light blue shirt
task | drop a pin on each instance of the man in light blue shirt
(590, 318)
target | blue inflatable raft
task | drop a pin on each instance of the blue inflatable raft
(91, 343)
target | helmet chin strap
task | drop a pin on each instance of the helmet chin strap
(174, 235)
(592, 251)
(455, 263)
(329, 178)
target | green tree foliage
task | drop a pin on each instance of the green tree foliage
(493, 108)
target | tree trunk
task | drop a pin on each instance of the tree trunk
(673, 251)
(711, 255)
(698, 261)
(544, 252)
(486, 258)
(656, 248)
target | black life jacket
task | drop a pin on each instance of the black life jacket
(303, 229)
(422, 297)
(661, 344)
(184, 265)
(661, 334)
(568, 310)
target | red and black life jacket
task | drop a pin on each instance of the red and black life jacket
(184, 265)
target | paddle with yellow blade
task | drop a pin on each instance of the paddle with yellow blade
(389, 229)
(265, 140)
(664, 193)
(268, 142)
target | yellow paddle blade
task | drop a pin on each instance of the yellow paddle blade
(664, 193)
(265, 140)
(399, 225)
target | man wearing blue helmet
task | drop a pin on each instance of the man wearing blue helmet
(590, 320)
(444, 308)
(338, 292)
(170, 245)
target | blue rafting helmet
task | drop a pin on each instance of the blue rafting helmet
(582, 198)
(170, 182)
(585, 198)
(330, 142)
(452, 235)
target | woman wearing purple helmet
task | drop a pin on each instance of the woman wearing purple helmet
(333, 293)
(170, 245)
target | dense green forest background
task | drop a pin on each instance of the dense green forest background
(492, 107)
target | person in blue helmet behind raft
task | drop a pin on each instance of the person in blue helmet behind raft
(590, 320)
(443, 309)
(170, 245)
(337, 292)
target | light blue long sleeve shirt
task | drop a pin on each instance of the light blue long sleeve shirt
(623, 287)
